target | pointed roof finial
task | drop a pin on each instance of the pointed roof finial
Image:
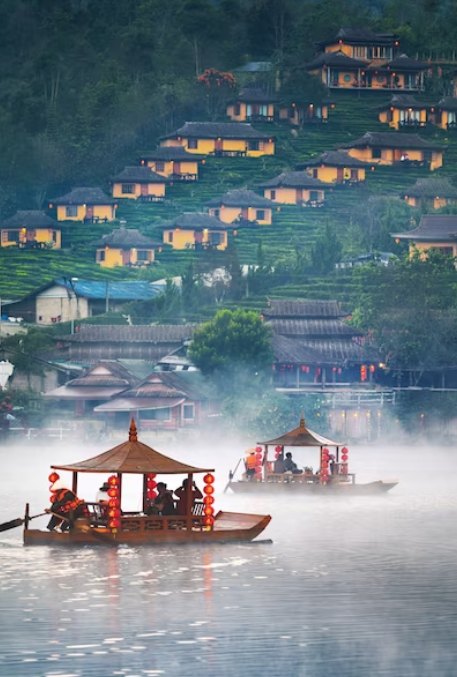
(133, 436)
(302, 420)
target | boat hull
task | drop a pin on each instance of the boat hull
(228, 528)
(311, 488)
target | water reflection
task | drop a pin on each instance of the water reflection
(350, 587)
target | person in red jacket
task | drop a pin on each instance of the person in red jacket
(64, 503)
(181, 493)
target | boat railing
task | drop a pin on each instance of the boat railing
(138, 522)
(309, 478)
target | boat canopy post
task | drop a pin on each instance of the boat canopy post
(145, 491)
(119, 477)
(189, 500)
(74, 483)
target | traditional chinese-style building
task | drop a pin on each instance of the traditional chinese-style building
(140, 183)
(298, 188)
(30, 229)
(435, 231)
(222, 139)
(405, 111)
(126, 247)
(431, 193)
(195, 230)
(85, 204)
(241, 206)
(174, 162)
(252, 105)
(336, 166)
(393, 148)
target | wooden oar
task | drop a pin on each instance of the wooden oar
(231, 476)
(12, 524)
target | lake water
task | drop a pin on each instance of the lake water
(349, 588)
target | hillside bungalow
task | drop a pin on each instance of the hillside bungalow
(435, 231)
(30, 229)
(99, 383)
(174, 162)
(123, 342)
(402, 150)
(241, 205)
(90, 205)
(431, 193)
(313, 347)
(195, 230)
(252, 105)
(67, 300)
(357, 58)
(140, 183)
(125, 247)
(295, 188)
(446, 113)
(222, 139)
(163, 401)
(404, 110)
(336, 166)
(301, 114)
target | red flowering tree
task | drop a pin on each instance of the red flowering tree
(218, 90)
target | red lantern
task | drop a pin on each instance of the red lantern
(113, 503)
(208, 511)
(208, 490)
(112, 493)
(324, 471)
(114, 513)
(208, 521)
(325, 453)
(152, 484)
(113, 481)
(208, 500)
(208, 479)
(53, 477)
(324, 463)
(114, 524)
(258, 450)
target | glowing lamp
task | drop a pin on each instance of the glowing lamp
(208, 490)
(114, 524)
(344, 458)
(112, 481)
(114, 513)
(142, 162)
(208, 521)
(208, 479)
(113, 503)
(53, 477)
(50, 206)
(112, 493)
(208, 500)
(208, 511)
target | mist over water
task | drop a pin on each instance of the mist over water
(350, 587)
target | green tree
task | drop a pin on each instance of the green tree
(231, 340)
(23, 350)
(326, 251)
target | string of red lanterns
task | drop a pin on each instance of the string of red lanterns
(258, 463)
(344, 459)
(208, 500)
(53, 477)
(324, 465)
(114, 505)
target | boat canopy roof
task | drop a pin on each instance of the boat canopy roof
(132, 457)
(302, 437)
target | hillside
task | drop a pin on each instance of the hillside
(22, 271)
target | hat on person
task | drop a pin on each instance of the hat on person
(105, 486)
(58, 484)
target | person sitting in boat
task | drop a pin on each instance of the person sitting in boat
(290, 465)
(102, 493)
(163, 503)
(181, 493)
(64, 503)
(333, 465)
(250, 463)
(280, 467)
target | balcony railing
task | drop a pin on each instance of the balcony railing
(151, 198)
(229, 153)
(184, 177)
(257, 117)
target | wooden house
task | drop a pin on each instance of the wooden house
(358, 58)
(252, 105)
(30, 229)
(431, 193)
(164, 400)
(446, 113)
(175, 162)
(313, 347)
(90, 205)
(301, 114)
(126, 247)
(295, 188)
(140, 183)
(70, 300)
(393, 148)
(405, 111)
(123, 342)
(435, 231)
(336, 166)
(195, 230)
(241, 206)
(222, 139)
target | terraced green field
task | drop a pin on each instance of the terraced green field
(23, 271)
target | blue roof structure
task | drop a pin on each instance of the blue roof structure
(137, 290)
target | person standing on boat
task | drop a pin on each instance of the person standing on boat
(102, 493)
(163, 503)
(333, 465)
(290, 465)
(64, 502)
(251, 463)
(181, 493)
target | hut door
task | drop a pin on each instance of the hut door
(245, 213)
(219, 144)
(339, 175)
(176, 168)
(299, 195)
(144, 189)
(125, 257)
(89, 212)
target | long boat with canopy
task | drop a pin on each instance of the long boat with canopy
(331, 477)
(109, 524)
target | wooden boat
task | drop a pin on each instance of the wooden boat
(333, 476)
(113, 526)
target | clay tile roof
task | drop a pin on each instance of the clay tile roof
(255, 95)
(335, 158)
(168, 153)
(432, 228)
(140, 175)
(363, 34)
(404, 62)
(196, 221)
(295, 180)
(294, 308)
(391, 140)
(432, 188)
(138, 333)
(125, 238)
(448, 103)
(132, 457)
(240, 198)
(405, 101)
(84, 196)
(215, 130)
(30, 219)
(301, 437)
(336, 59)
